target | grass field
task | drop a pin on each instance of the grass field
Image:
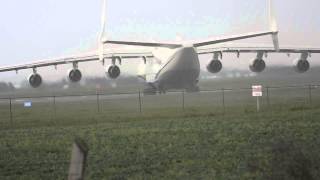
(203, 141)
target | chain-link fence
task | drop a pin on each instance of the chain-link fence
(48, 108)
(178, 135)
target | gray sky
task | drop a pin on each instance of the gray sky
(34, 29)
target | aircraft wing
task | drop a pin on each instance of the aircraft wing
(234, 38)
(76, 59)
(239, 50)
(147, 44)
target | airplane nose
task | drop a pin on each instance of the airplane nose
(182, 71)
(186, 58)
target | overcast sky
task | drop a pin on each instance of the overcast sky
(36, 29)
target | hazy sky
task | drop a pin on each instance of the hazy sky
(35, 29)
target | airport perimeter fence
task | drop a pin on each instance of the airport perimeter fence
(45, 151)
(88, 105)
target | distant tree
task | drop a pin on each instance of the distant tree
(5, 87)
(11, 86)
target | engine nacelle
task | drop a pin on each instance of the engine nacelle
(301, 66)
(35, 80)
(257, 66)
(75, 75)
(214, 66)
(113, 71)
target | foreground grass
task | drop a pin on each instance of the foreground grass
(199, 143)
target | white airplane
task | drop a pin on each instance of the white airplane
(182, 68)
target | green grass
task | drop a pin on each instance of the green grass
(165, 142)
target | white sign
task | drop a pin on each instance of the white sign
(257, 91)
(27, 104)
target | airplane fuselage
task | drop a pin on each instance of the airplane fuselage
(181, 71)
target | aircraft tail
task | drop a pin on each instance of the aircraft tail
(273, 25)
(102, 31)
(273, 31)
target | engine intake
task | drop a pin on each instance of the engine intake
(35, 80)
(258, 65)
(214, 66)
(301, 66)
(75, 75)
(113, 72)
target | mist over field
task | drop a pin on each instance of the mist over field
(273, 76)
(50, 30)
(221, 132)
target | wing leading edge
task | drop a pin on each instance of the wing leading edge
(75, 59)
(234, 38)
(239, 50)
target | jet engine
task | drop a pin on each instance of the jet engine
(214, 66)
(257, 65)
(35, 80)
(113, 71)
(301, 66)
(75, 75)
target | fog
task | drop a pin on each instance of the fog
(50, 30)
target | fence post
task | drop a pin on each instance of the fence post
(183, 103)
(258, 104)
(310, 94)
(268, 100)
(223, 101)
(11, 117)
(78, 160)
(54, 106)
(98, 102)
(140, 102)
